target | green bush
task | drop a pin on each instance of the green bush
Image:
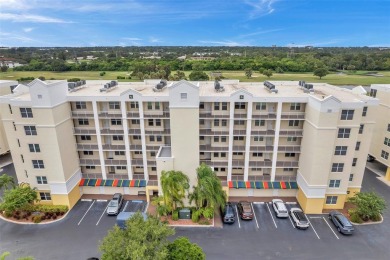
(175, 215)
(37, 218)
(376, 217)
(102, 73)
(42, 78)
(355, 218)
(204, 222)
(208, 213)
(8, 214)
(120, 77)
(196, 215)
(73, 80)
(26, 79)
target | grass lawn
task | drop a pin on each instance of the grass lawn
(358, 78)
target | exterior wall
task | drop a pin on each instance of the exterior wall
(310, 205)
(341, 199)
(261, 193)
(5, 89)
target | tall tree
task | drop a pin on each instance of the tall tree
(248, 72)
(16, 198)
(182, 248)
(267, 73)
(321, 72)
(6, 182)
(174, 185)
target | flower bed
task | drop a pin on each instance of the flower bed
(36, 213)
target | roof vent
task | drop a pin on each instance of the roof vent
(160, 86)
(74, 86)
(218, 87)
(307, 88)
(271, 87)
(109, 86)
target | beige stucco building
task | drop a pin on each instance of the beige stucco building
(6, 87)
(99, 137)
(380, 144)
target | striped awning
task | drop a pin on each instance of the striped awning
(112, 183)
(263, 185)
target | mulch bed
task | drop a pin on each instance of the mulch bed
(29, 219)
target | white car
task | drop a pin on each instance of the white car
(280, 208)
(299, 218)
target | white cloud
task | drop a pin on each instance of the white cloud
(224, 43)
(30, 18)
(9, 36)
(28, 29)
(14, 5)
(316, 44)
(154, 40)
(259, 32)
(131, 39)
(260, 7)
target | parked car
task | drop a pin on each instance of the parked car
(280, 208)
(370, 158)
(114, 206)
(343, 225)
(299, 218)
(245, 210)
(227, 214)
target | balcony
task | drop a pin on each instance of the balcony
(264, 115)
(134, 131)
(240, 115)
(296, 149)
(84, 130)
(107, 131)
(158, 132)
(298, 133)
(239, 132)
(137, 162)
(286, 178)
(156, 114)
(259, 177)
(92, 162)
(213, 132)
(82, 114)
(135, 147)
(210, 148)
(269, 132)
(132, 114)
(293, 115)
(152, 163)
(113, 147)
(238, 163)
(287, 164)
(215, 163)
(268, 148)
(238, 148)
(111, 162)
(258, 164)
(110, 114)
(87, 147)
(209, 114)
(151, 147)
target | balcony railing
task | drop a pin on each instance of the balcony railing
(293, 115)
(268, 148)
(215, 163)
(114, 147)
(82, 114)
(105, 131)
(291, 133)
(87, 147)
(84, 162)
(257, 164)
(209, 114)
(213, 132)
(238, 163)
(285, 178)
(269, 132)
(156, 114)
(265, 115)
(207, 147)
(111, 162)
(152, 163)
(238, 148)
(158, 132)
(152, 183)
(287, 164)
(239, 132)
(259, 177)
(135, 147)
(133, 114)
(134, 131)
(151, 147)
(295, 149)
(240, 115)
(84, 130)
(137, 162)
(110, 114)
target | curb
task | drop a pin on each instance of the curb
(28, 223)
(370, 223)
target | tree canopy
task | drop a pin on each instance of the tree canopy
(369, 205)
(321, 72)
(17, 198)
(182, 248)
(6, 182)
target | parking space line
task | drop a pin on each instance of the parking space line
(312, 227)
(85, 213)
(86, 199)
(272, 216)
(291, 203)
(257, 224)
(289, 217)
(127, 202)
(146, 207)
(104, 211)
(315, 217)
(330, 227)
(238, 219)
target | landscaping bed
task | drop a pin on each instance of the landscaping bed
(36, 213)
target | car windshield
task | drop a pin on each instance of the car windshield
(246, 208)
(229, 210)
(113, 203)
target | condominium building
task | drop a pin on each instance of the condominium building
(380, 144)
(6, 87)
(284, 138)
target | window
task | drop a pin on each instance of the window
(201, 105)
(30, 130)
(346, 114)
(117, 137)
(26, 112)
(238, 138)
(151, 138)
(22, 158)
(137, 137)
(295, 106)
(222, 169)
(88, 152)
(216, 154)
(351, 177)
(135, 122)
(385, 155)
(18, 142)
(239, 122)
(216, 105)
(159, 138)
(288, 169)
(131, 97)
(134, 105)
(183, 96)
(10, 108)
(331, 199)
(292, 139)
(45, 195)
(259, 122)
(289, 154)
(201, 121)
(39, 96)
(257, 154)
(150, 122)
(354, 161)
(150, 106)
(216, 122)
(238, 153)
(357, 147)
(121, 167)
(90, 167)
(340, 150)
(85, 137)
(138, 152)
(223, 154)
(334, 183)
(337, 167)
(154, 168)
(152, 154)
(293, 122)
(361, 128)
(239, 105)
(201, 138)
(41, 180)
(344, 133)
(34, 148)
(223, 139)
(158, 122)
(116, 121)
(258, 139)
(13, 123)
(364, 113)
(261, 106)
(119, 152)
(241, 96)
(216, 139)
(157, 105)
(387, 141)
(81, 105)
(224, 105)
(373, 92)
(224, 122)
(38, 164)
(83, 122)
(388, 128)
(114, 105)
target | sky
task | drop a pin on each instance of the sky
(87, 23)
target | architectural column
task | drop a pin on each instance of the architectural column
(143, 140)
(276, 140)
(99, 139)
(230, 153)
(248, 140)
(126, 138)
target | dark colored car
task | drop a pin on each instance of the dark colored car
(299, 218)
(370, 158)
(114, 206)
(343, 225)
(245, 210)
(227, 214)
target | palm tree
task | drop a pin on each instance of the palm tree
(208, 193)
(174, 185)
(6, 181)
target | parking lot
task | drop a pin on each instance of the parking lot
(265, 220)
(92, 212)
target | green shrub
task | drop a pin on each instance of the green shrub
(196, 215)
(73, 80)
(204, 222)
(26, 79)
(175, 215)
(42, 78)
(356, 218)
(8, 214)
(376, 217)
(208, 213)
(37, 219)
(120, 77)
(102, 73)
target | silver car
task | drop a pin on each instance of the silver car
(299, 218)
(114, 206)
(279, 208)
